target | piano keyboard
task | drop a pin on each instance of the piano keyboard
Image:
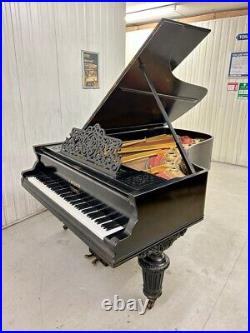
(100, 219)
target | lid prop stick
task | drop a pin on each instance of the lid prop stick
(164, 113)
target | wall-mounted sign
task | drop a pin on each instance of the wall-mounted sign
(238, 64)
(232, 86)
(90, 70)
(243, 90)
(243, 36)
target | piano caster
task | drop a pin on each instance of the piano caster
(65, 227)
(95, 261)
(153, 265)
(89, 255)
(150, 304)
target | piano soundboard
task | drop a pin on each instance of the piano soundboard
(157, 155)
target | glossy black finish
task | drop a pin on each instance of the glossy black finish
(130, 102)
(155, 208)
(153, 211)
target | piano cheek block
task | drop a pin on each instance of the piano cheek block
(119, 211)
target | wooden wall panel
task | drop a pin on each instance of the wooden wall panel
(42, 85)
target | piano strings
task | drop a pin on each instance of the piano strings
(157, 155)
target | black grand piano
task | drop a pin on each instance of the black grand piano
(118, 210)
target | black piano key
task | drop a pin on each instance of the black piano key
(57, 187)
(64, 193)
(77, 202)
(93, 208)
(84, 204)
(44, 179)
(110, 225)
(53, 180)
(64, 190)
(101, 212)
(96, 210)
(73, 196)
(88, 198)
(81, 205)
(56, 181)
(106, 218)
(121, 220)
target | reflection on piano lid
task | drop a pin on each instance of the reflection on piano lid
(128, 183)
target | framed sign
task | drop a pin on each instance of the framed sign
(90, 70)
(238, 64)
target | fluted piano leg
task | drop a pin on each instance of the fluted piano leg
(153, 262)
(153, 266)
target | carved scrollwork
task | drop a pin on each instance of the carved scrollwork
(160, 247)
(93, 147)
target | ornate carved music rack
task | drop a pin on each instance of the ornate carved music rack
(92, 147)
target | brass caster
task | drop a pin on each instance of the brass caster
(95, 261)
(150, 304)
(89, 255)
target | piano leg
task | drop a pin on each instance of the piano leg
(153, 266)
(153, 262)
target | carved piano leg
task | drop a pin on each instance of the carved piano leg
(153, 266)
(153, 263)
(65, 227)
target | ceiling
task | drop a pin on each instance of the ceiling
(143, 12)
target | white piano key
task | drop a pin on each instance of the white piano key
(76, 213)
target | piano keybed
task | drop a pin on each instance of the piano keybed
(156, 155)
(94, 214)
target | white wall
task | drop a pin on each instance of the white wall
(42, 94)
(220, 113)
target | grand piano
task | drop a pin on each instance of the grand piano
(128, 183)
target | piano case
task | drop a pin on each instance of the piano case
(152, 212)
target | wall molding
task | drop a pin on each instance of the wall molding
(191, 19)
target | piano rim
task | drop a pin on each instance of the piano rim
(88, 172)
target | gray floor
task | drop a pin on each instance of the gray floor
(48, 284)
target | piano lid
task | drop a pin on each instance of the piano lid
(130, 102)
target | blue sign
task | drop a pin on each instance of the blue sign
(242, 36)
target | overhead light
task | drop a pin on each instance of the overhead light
(152, 14)
(132, 7)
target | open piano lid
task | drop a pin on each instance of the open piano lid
(130, 102)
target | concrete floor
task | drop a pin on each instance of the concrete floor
(48, 284)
